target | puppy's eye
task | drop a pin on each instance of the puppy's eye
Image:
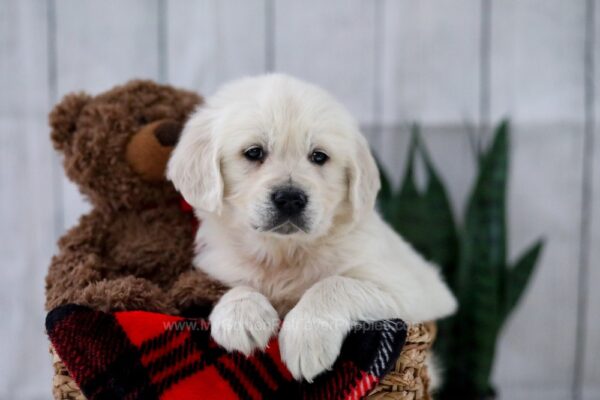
(318, 157)
(255, 153)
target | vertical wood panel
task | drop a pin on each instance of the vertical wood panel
(431, 61)
(431, 76)
(591, 378)
(537, 60)
(99, 45)
(536, 349)
(537, 80)
(330, 44)
(213, 41)
(26, 199)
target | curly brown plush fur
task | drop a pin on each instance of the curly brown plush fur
(134, 249)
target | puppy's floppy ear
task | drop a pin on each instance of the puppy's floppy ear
(363, 179)
(194, 167)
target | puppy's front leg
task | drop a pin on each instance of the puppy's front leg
(313, 331)
(243, 320)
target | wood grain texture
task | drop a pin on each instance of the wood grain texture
(99, 45)
(591, 364)
(537, 60)
(211, 42)
(430, 61)
(537, 80)
(331, 44)
(430, 74)
(27, 199)
(536, 349)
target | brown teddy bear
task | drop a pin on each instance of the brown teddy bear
(134, 249)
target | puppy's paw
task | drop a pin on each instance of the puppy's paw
(243, 320)
(310, 343)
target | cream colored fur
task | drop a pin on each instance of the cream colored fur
(348, 266)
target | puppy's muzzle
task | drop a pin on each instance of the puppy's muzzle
(288, 204)
(289, 201)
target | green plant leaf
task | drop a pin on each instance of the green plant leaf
(443, 249)
(473, 260)
(386, 192)
(406, 197)
(425, 219)
(481, 270)
(484, 236)
(519, 275)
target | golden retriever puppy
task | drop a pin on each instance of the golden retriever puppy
(285, 185)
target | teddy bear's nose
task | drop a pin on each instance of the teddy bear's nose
(167, 132)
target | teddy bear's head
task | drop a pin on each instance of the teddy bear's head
(116, 145)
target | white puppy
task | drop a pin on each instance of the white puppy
(285, 186)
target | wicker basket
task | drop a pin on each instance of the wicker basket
(63, 386)
(407, 381)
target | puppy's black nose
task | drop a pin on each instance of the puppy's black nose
(289, 200)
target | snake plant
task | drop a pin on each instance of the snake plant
(472, 257)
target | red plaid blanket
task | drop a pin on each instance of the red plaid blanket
(143, 355)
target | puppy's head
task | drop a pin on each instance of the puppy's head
(276, 156)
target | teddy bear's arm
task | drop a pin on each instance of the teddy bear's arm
(83, 272)
(78, 274)
(78, 261)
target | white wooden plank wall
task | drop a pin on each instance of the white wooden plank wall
(28, 200)
(454, 66)
(537, 78)
(590, 330)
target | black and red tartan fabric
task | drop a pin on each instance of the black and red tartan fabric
(144, 355)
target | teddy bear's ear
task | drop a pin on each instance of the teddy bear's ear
(63, 119)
